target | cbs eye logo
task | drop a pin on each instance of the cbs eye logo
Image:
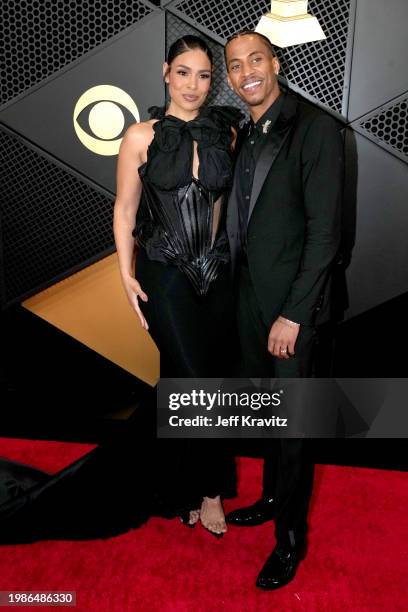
(106, 118)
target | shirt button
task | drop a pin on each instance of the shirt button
(247, 197)
(252, 141)
(246, 169)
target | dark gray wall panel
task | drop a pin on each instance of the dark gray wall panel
(46, 115)
(379, 265)
(379, 71)
(53, 222)
(39, 37)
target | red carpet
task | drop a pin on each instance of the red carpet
(357, 561)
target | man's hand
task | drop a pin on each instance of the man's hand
(282, 338)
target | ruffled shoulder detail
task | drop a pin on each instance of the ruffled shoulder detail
(156, 112)
(225, 115)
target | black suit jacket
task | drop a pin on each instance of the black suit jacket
(293, 228)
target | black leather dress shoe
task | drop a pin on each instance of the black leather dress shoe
(261, 511)
(280, 567)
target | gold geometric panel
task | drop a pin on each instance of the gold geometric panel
(91, 306)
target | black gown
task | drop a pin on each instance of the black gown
(183, 259)
(183, 266)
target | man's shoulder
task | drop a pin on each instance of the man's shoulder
(316, 128)
(311, 114)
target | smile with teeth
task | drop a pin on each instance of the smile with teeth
(251, 86)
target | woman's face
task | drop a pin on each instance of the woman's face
(189, 79)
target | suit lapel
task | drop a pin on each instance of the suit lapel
(272, 146)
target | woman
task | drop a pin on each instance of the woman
(172, 170)
(182, 290)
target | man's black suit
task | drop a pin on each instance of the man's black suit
(292, 236)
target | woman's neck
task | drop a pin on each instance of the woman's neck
(181, 113)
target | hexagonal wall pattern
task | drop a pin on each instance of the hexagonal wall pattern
(388, 126)
(224, 18)
(39, 37)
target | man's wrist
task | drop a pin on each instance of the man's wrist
(288, 322)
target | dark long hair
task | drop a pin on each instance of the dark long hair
(188, 43)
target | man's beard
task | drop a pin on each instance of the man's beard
(254, 102)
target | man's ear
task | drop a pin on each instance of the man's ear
(276, 65)
(166, 70)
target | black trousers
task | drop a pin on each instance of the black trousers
(288, 470)
(195, 336)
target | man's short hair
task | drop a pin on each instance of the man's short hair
(265, 39)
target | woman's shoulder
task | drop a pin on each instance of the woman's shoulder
(138, 136)
(138, 131)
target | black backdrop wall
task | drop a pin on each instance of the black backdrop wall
(57, 194)
(54, 188)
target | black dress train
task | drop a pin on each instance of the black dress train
(183, 266)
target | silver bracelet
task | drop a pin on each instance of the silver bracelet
(288, 322)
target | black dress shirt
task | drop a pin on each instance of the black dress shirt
(247, 159)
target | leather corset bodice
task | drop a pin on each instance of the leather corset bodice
(178, 229)
(175, 222)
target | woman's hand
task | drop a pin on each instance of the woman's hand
(134, 292)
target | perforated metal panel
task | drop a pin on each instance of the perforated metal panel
(52, 222)
(220, 92)
(226, 17)
(316, 68)
(39, 37)
(319, 68)
(389, 126)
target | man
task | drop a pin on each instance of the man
(283, 224)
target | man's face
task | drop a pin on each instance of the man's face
(252, 70)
